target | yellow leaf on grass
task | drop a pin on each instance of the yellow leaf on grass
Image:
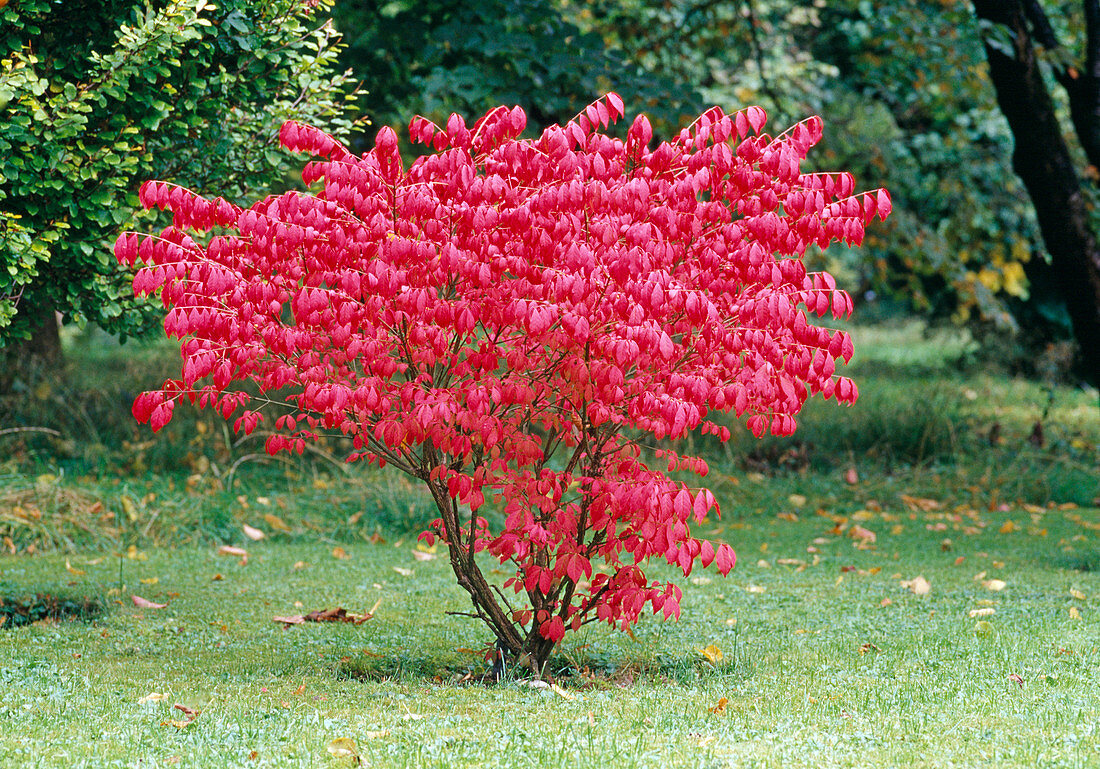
(253, 533)
(984, 612)
(420, 555)
(1074, 613)
(1075, 593)
(275, 521)
(712, 653)
(995, 585)
(340, 553)
(798, 500)
(73, 570)
(149, 580)
(918, 585)
(403, 572)
(1008, 527)
(343, 747)
(720, 707)
(153, 697)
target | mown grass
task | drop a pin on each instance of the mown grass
(828, 657)
(827, 661)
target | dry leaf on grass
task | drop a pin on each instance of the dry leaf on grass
(985, 612)
(995, 585)
(326, 615)
(252, 533)
(918, 585)
(73, 570)
(276, 522)
(153, 697)
(403, 571)
(720, 707)
(712, 654)
(1075, 593)
(340, 553)
(144, 603)
(420, 555)
(343, 747)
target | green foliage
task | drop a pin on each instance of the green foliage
(96, 97)
(435, 57)
(963, 241)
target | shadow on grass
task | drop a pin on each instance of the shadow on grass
(18, 609)
(579, 670)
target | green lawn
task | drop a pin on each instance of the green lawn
(830, 655)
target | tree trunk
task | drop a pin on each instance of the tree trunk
(1042, 161)
(42, 352)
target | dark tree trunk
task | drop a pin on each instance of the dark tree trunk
(1042, 161)
(40, 353)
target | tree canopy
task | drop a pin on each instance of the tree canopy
(96, 97)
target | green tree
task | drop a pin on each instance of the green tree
(435, 57)
(98, 95)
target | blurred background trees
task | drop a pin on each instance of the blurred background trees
(904, 87)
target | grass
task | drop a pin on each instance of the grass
(829, 657)
(816, 670)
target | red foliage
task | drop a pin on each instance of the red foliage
(507, 317)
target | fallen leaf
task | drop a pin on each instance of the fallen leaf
(343, 747)
(178, 724)
(422, 556)
(862, 534)
(700, 580)
(377, 735)
(403, 571)
(1016, 679)
(983, 627)
(1008, 527)
(918, 585)
(230, 550)
(985, 612)
(756, 588)
(920, 504)
(413, 716)
(73, 570)
(863, 649)
(851, 476)
(338, 614)
(217, 578)
(189, 712)
(149, 580)
(787, 516)
(143, 603)
(340, 553)
(561, 692)
(275, 521)
(798, 500)
(1074, 613)
(253, 533)
(885, 602)
(1075, 593)
(720, 707)
(995, 585)
(712, 653)
(153, 697)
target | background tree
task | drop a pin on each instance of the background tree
(1042, 157)
(96, 97)
(441, 56)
